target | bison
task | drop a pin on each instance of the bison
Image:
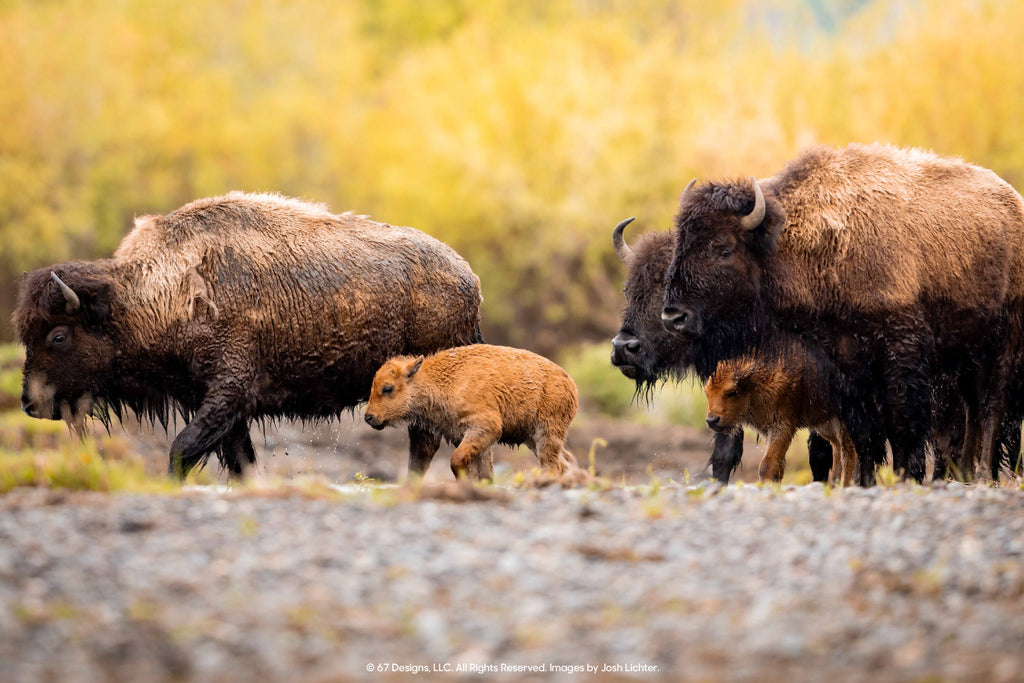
(477, 395)
(647, 353)
(776, 399)
(893, 264)
(235, 308)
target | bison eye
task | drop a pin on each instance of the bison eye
(725, 253)
(59, 336)
(386, 389)
(732, 393)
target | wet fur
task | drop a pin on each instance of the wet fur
(663, 356)
(242, 307)
(894, 264)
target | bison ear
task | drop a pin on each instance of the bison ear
(98, 308)
(763, 237)
(745, 375)
(96, 302)
(414, 368)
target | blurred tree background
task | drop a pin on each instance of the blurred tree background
(517, 131)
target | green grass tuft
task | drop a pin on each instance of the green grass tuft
(78, 467)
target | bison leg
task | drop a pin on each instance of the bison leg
(482, 466)
(862, 415)
(820, 456)
(550, 448)
(948, 431)
(971, 445)
(1009, 447)
(908, 392)
(908, 422)
(726, 456)
(217, 416)
(993, 422)
(773, 464)
(474, 443)
(423, 444)
(236, 450)
(849, 458)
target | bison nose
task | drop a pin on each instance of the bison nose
(623, 347)
(368, 418)
(681, 320)
(713, 421)
(27, 405)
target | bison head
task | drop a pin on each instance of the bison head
(724, 235)
(391, 394)
(643, 349)
(63, 320)
(729, 392)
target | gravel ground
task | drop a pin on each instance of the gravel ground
(701, 583)
(341, 448)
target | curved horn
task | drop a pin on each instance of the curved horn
(619, 242)
(69, 294)
(686, 191)
(755, 217)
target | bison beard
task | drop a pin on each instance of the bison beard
(910, 269)
(237, 308)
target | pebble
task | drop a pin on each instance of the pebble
(702, 582)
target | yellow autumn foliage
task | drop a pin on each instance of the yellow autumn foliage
(520, 132)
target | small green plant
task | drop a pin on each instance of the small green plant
(697, 493)
(653, 506)
(592, 466)
(886, 477)
(655, 482)
(364, 481)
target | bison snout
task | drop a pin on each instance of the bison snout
(374, 421)
(681, 320)
(625, 349)
(27, 405)
(625, 344)
(714, 421)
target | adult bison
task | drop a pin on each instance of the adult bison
(235, 308)
(895, 264)
(647, 353)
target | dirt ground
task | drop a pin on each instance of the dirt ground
(341, 449)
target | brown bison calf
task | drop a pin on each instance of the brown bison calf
(477, 395)
(777, 398)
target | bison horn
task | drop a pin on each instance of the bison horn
(619, 242)
(686, 191)
(73, 302)
(755, 217)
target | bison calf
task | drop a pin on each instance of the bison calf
(477, 395)
(777, 398)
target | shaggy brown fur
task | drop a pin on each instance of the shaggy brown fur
(240, 307)
(643, 349)
(892, 263)
(777, 399)
(647, 353)
(478, 395)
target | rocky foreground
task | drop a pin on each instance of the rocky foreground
(649, 583)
